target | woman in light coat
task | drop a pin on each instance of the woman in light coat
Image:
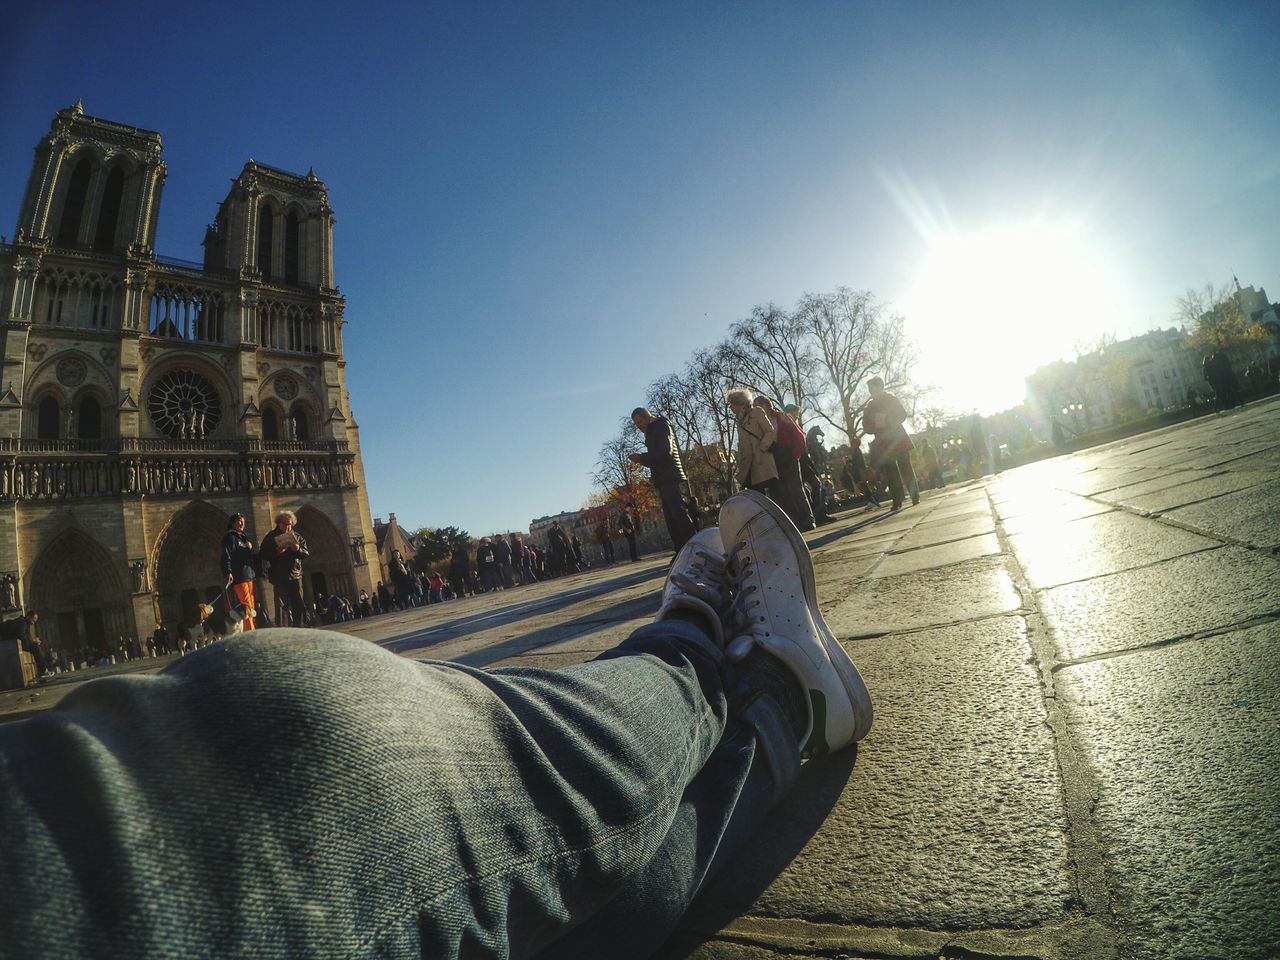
(755, 469)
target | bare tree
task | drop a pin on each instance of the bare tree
(711, 374)
(842, 326)
(853, 339)
(898, 355)
(775, 354)
(619, 478)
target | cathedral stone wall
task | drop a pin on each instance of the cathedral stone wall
(144, 400)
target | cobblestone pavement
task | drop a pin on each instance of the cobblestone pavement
(1077, 743)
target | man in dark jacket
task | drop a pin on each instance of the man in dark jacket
(502, 553)
(627, 528)
(662, 457)
(561, 550)
(282, 552)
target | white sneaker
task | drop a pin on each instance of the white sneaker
(697, 581)
(775, 607)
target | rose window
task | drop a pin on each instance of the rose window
(184, 405)
(70, 371)
(286, 387)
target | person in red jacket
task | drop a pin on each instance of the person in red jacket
(787, 451)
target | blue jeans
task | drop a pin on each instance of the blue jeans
(301, 793)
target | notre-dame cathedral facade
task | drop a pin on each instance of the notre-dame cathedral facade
(143, 400)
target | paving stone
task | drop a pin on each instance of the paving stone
(1108, 478)
(965, 591)
(1170, 478)
(952, 816)
(929, 532)
(1250, 516)
(837, 580)
(1099, 545)
(1037, 500)
(1065, 511)
(941, 555)
(854, 547)
(1186, 595)
(1228, 454)
(957, 511)
(1204, 489)
(1184, 743)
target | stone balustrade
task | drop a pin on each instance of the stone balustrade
(48, 476)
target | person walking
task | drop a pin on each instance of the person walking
(662, 457)
(755, 468)
(502, 556)
(487, 565)
(883, 418)
(32, 642)
(627, 529)
(514, 548)
(812, 465)
(788, 449)
(980, 461)
(240, 567)
(401, 581)
(282, 553)
(932, 469)
(561, 550)
(459, 571)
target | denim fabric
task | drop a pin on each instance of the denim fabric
(298, 793)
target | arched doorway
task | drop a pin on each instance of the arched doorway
(188, 562)
(328, 568)
(77, 589)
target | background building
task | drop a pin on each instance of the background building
(144, 399)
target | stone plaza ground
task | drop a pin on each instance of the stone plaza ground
(1076, 667)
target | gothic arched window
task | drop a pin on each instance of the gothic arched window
(109, 214)
(90, 419)
(266, 237)
(299, 418)
(291, 231)
(73, 206)
(270, 425)
(48, 419)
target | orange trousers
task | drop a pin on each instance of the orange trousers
(244, 593)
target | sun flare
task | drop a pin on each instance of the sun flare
(989, 306)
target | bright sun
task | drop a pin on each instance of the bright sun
(988, 307)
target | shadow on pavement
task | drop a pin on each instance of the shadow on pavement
(834, 535)
(789, 828)
(431, 634)
(564, 630)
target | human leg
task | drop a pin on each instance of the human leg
(908, 474)
(290, 592)
(244, 593)
(893, 478)
(794, 500)
(676, 515)
(440, 809)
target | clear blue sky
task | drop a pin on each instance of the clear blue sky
(543, 207)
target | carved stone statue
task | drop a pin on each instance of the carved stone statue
(9, 592)
(138, 573)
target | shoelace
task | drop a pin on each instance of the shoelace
(740, 620)
(704, 578)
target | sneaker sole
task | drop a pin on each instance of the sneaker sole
(859, 695)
